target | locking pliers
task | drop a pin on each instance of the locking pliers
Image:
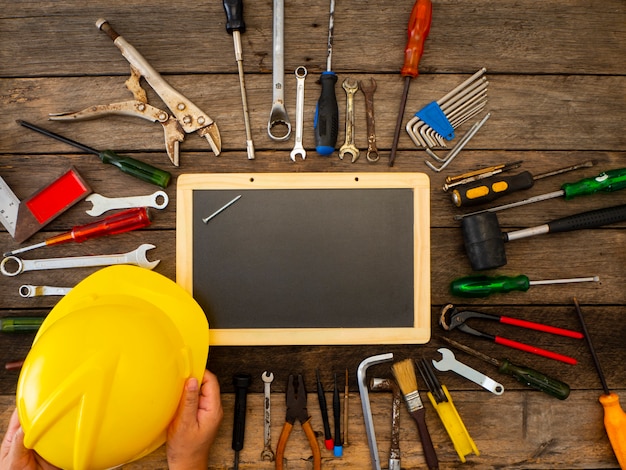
(186, 116)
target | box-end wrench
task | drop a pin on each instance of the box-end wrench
(449, 362)
(268, 453)
(368, 90)
(349, 146)
(279, 120)
(136, 257)
(365, 403)
(298, 149)
(102, 204)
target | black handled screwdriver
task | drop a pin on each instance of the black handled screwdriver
(326, 124)
(522, 374)
(128, 165)
(241, 383)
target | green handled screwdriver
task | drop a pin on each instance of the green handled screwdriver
(20, 324)
(128, 165)
(524, 375)
(484, 286)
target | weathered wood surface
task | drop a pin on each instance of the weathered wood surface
(557, 95)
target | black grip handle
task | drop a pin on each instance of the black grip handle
(234, 16)
(490, 189)
(241, 383)
(326, 125)
(589, 219)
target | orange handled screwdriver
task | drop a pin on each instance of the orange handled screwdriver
(125, 221)
(419, 27)
(614, 416)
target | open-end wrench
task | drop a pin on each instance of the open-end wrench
(368, 90)
(278, 115)
(449, 362)
(27, 290)
(268, 453)
(102, 204)
(349, 146)
(136, 257)
(298, 149)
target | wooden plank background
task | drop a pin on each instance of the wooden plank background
(557, 95)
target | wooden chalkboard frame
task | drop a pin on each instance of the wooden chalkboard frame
(419, 185)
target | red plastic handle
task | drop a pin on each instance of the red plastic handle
(419, 27)
(535, 350)
(541, 327)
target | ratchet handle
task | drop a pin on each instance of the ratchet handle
(590, 219)
(534, 350)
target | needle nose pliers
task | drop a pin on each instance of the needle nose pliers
(452, 318)
(296, 410)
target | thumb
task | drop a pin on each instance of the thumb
(17, 450)
(189, 402)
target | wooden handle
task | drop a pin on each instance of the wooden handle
(427, 444)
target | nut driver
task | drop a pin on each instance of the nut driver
(484, 241)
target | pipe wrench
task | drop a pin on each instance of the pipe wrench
(185, 116)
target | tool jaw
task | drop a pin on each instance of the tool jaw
(296, 401)
(451, 319)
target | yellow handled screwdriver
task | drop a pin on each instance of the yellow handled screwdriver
(614, 416)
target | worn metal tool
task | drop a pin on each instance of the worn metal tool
(136, 257)
(349, 147)
(267, 453)
(388, 385)
(187, 117)
(27, 290)
(102, 204)
(365, 403)
(298, 149)
(368, 89)
(449, 362)
(279, 119)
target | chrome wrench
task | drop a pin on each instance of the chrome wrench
(348, 146)
(268, 453)
(449, 362)
(27, 290)
(136, 257)
(102, 204)
(298, 149)
(278, 114)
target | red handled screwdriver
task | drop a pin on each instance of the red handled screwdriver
(125, 221)
(419, 27)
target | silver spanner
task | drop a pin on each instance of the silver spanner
(298, 149)
(27, 290)
(368, 90)
(136, 257)
(102, 204)
(268, 453)
(278, 114)
(348, 146)
(449, 362)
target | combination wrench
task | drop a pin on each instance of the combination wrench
(268, 453)
(368, 90)
(298, 149)
(102, 204)
(449, 362)
(278, 115)
(348, 146)
(26, 290)
(136, 257)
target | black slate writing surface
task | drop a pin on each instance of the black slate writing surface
(305, 258)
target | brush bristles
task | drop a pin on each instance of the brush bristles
(404, 372)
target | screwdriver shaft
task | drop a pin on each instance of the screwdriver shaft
(244, 94)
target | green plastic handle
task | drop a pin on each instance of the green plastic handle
(608, 181)
(483, 286)
(535, 379)
(19, 324)
(136, 168)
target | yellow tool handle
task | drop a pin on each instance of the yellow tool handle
(317, 456)
(615, 425)
(463, 443)
(282, 443)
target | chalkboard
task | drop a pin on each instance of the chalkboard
(307, 258)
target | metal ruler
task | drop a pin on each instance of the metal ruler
(9, 206)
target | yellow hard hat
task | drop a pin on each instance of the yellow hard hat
(107, 368)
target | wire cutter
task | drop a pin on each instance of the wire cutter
(186, 117)
(296, 409)
(452, 318)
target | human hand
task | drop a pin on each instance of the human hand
(194, 427)
(13, 454)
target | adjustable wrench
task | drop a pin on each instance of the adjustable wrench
(348, 146)
(449, 362)
(102, 204)
(278, 114)
(298, 149)
(268, 453)
(368, 90)
(136, 257)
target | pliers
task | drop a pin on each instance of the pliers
(452, 318)
(186, 117)
(296, 409)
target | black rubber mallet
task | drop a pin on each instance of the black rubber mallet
(484, 241)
